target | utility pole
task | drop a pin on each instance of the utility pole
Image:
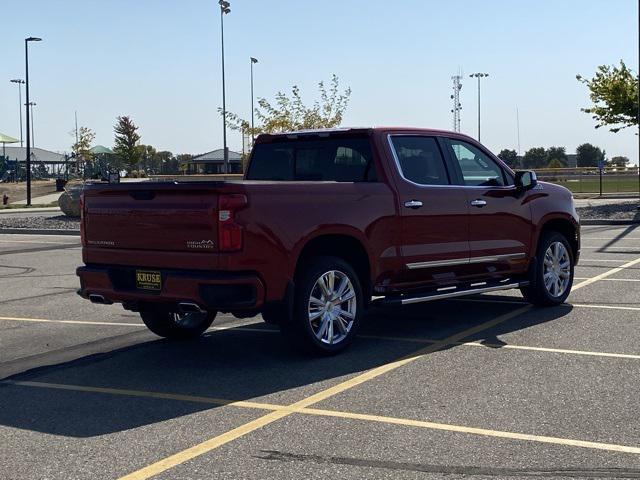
(26, 71)
(479, 76)
(253, 60)
(20, 82)
(457, 106)
(224, 10)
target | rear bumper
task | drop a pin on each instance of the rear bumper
(225, 291)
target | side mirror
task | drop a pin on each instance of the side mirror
(526, 180)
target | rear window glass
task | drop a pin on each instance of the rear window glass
(317, 159)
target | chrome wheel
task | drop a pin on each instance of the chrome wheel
(332, 307)
(556, 269)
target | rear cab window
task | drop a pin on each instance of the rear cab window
(420, 159)
(338, 159)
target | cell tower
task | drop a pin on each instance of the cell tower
(457, 106)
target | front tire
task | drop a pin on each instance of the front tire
(177, 326)
(552, 278)
(328, 306)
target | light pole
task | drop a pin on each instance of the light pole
(26, 76)
(254, 60)
(224, 10)
(638, 98)
(20, 82)
(479, 76)
(30, 106)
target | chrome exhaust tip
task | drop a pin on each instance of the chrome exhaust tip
(95, 298)
(189, 307)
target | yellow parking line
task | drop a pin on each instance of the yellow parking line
(508, 347)
(609, 307)
(606, 274)
(280, 411)
(72, 322)
(145, 394)
(474, 431)
(611, 279)
(608, 248)
(215, 442)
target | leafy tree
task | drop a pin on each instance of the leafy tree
(535, 158)
(126, 141)
(589, 155)
(555, 163)
(182, 160)
(289, 112)
(614, 93)
(618, 162)
(82, 147)
(559, 154)
(510, 157)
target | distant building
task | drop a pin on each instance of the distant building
(572, 160)
(213, 162)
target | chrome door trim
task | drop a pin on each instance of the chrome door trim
(450, 185)
(466, 261)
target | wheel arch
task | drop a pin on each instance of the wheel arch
(342, 245)
(567, 226)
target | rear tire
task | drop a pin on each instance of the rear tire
(552, 277)
(327, 307)
(177, 326)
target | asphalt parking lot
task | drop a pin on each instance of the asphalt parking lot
(483, 387)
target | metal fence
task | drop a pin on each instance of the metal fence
(588, 180)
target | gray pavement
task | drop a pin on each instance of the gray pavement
(90, 393)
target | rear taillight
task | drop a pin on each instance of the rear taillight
(82, 229)
(229, 232)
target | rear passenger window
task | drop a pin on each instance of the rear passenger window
(420, 160)
(336, 159)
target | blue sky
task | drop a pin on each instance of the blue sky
(159, 62)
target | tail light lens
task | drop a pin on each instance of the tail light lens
(229, 232)
(82, 229)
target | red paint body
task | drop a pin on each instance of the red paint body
(173, 228)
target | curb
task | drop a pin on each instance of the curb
(8, 211)
(42, 231)
(604, 221)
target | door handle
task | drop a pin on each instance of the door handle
(413, 204)
(478, 203)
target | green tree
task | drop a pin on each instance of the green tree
(559, 154)
(589, 155)
(82, 147)
(614, 93)
(555, 163)
(535, 158)
(182, 160)
(289, 113)
(126, 142)
(510, 157)
(618, 162)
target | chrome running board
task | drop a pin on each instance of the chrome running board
(439, 295)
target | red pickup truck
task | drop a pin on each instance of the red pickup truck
(324, 223)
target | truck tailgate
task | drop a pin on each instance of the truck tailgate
(146, 216)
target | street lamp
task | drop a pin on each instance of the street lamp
(30, 105)
(253, 60)
(26, 71)
(479, 76)
(224, 10)
(20, 82)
